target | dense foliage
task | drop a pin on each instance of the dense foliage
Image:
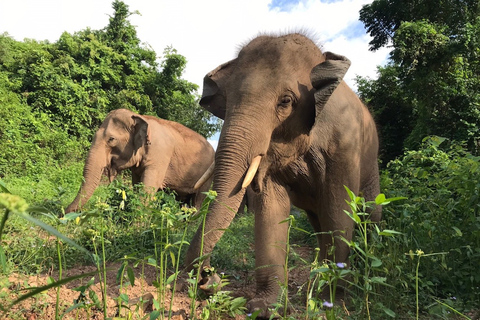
(441, 216)
(54, 95)
(431, 86)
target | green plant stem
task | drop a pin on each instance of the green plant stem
(285, 270)
(199, 269)
(3, 222)
(155, 250)
(416, 285)
(60, 269)
(104, 272)
(364, 229)
(161, 266)
(177, 266)
(121, 286)
(311, 284)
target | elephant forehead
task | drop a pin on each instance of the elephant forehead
(275, 63)
(291, 50)
(116, 122)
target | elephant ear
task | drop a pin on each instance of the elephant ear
(326, 76)
(213, 96)
(141, 132)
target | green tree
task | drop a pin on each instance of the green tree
(435, 59)
(55, 95)
(392, 110)
(382, 18)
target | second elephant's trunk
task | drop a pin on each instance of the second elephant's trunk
(95, 165)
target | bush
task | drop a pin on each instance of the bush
(442, 215)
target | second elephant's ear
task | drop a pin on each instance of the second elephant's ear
(141, 132)
(326, 76)
(213, 96)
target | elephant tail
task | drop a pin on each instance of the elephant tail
(204, 178)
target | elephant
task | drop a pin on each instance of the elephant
(160, 153)
(295, 133)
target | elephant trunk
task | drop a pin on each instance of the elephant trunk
(235, 155)
(95, 165)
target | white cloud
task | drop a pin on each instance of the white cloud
(207, 32)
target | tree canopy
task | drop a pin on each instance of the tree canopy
(55, 95)
(431, 85)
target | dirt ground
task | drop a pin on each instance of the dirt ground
(42, 306)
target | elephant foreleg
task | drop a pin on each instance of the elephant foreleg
(152, 179)
(271, 208)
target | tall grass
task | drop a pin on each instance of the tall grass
(387, 277)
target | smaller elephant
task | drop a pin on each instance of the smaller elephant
(160, 153)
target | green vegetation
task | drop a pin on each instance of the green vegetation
(431, 84)
(420, 261)
(55, 95)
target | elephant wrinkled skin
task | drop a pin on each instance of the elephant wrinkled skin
(286, 107)
(160, 153)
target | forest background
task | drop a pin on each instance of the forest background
(54, 95)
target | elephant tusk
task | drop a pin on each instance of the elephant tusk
(205, 176)
(252, 170)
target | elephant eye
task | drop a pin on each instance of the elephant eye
(286, 100)
(110, 140)
(285, 105)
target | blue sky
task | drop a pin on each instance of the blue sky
(288, 5)
(206, 32)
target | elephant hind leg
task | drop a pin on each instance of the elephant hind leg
(370, 191)
(315, 222)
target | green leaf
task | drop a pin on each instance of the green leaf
(380, 280)
(120, 271)
(171, 278)
(3, 260)
(131, 276)
(389, 233)
(376, 263)
(123, 297)
(93, 296)
(380, 199)
(154, 315)
(55, 284)
(350, 193)
(152, 262)
(458, 232)
(3, 187)
(172, 257)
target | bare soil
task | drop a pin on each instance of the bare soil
(42, 306)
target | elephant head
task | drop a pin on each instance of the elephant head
(294, 133)
(118, 144)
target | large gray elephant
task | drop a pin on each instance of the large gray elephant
(296, 134)
(160, 153)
